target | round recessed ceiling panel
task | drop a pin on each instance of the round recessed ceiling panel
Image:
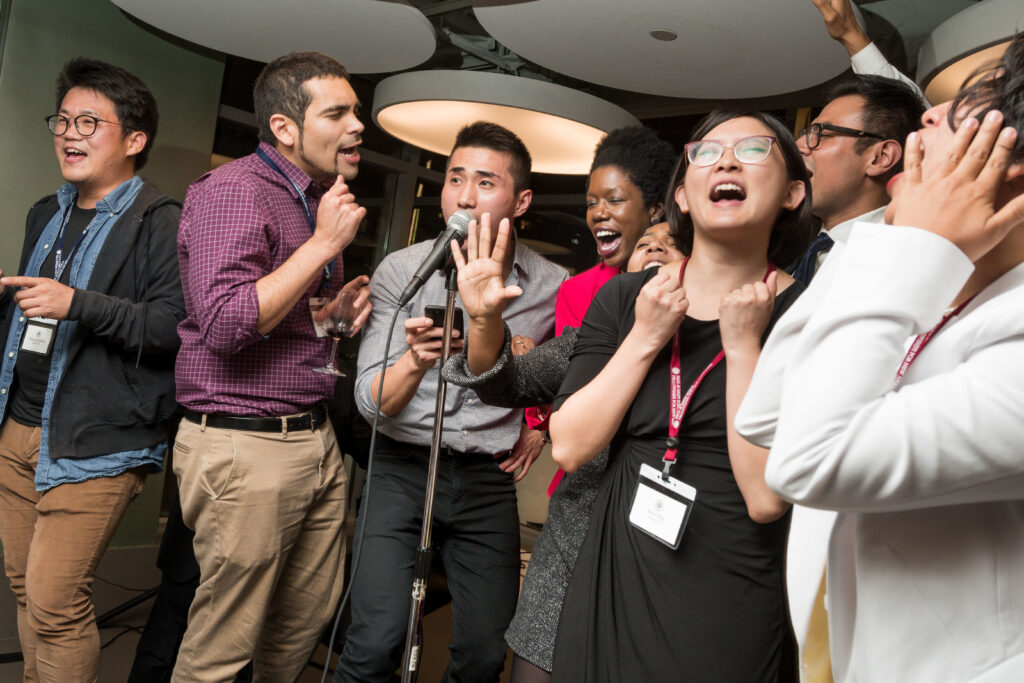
(559, 126)
(367, 36)
(707, 49)
(970, 39)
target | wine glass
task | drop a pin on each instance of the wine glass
(339, 323)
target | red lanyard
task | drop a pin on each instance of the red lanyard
(921, 341)
(679, 403)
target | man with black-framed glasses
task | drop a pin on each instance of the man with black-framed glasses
(855, 145)
(852, 149)
(86, 381)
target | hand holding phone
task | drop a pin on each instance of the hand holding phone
(436, 314)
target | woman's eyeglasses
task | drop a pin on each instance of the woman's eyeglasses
(749, 150)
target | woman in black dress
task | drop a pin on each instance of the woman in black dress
(713, 608)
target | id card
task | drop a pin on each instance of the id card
(39, 336)
(661, 507)
(315, 304)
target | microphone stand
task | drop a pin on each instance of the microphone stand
(424, 554)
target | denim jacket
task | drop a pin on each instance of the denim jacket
(83, 435)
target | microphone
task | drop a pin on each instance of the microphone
(458, 228)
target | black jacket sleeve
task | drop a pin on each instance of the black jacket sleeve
(152, 321)
(517, 381)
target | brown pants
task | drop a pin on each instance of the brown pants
(268, 510)
(52, 543)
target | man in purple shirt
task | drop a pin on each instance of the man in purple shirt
(259, 470)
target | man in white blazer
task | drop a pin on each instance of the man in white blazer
(919, 452)
(852, 148)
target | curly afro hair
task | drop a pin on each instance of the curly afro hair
(642, 155)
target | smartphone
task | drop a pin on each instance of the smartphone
(436, 313)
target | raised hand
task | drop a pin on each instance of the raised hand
(743, 316)
(842, 25)
(481, 271)
(955, 193)
(41, 297)
(660, 308)
(338, 217)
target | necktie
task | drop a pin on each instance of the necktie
(805, 267)
(815, 662)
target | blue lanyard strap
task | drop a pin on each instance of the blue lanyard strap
(329, 268)
(60, 264)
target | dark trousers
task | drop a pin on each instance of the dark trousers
(475, 529)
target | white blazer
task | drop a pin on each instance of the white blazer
(926, 561)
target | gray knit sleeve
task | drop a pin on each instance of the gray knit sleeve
(517, 381)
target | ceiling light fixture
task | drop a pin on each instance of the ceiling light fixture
(353, 31)
(726, 49)
(964, 42)
(559, 126)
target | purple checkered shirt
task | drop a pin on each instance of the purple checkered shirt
(241, 222)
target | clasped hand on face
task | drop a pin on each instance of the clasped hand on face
(954, 191)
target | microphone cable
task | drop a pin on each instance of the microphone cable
(357, 540)
(460, 220)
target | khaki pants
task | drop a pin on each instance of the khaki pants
(52, 543)
(268, 509)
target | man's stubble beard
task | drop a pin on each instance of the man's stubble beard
(325, 178)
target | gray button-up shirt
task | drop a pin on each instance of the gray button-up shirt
(469, 425)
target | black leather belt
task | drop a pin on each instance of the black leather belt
(395, 444)
(310, 420)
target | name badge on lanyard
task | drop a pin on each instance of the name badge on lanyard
(39, 335)
(315, 304)
(661, 506)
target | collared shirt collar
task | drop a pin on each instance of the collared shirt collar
(117, 200)
(841, 232)
(294, 173)
(519, 265)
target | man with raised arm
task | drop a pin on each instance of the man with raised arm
(914, 435)
(476, 525)
(260, 474)
(855, 144)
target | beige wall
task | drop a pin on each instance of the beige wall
(186, 81)
(41, 36)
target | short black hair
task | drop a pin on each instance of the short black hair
(891, 109)
(134, 103)
(999, 86)
(281, 88)
(642, 155)
(491, 136)
(793, 228)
